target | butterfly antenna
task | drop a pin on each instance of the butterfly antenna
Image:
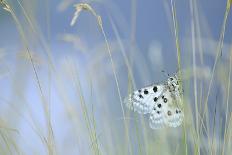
(165, 73)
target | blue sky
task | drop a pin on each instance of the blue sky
(83, 46)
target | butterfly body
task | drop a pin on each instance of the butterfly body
(161, 101)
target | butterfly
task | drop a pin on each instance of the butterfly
(162, 102)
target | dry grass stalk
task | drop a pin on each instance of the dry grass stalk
(85, 7)
(5, 6)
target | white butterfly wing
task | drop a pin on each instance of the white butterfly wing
(142, 100)
(175, 119)
(157, 120)
(165, 112)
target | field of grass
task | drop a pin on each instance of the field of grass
(64, 75)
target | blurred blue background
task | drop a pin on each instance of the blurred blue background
(140, 31)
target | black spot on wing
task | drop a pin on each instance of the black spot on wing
(155, 99)
(165, 100)
(145, 92)
(178, 111)
(155, 89)
(140, 96)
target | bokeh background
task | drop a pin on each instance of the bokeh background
(59, 95)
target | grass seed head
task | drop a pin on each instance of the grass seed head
(85, 7)
(4, 5)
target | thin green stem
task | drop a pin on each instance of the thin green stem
(176, 31)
